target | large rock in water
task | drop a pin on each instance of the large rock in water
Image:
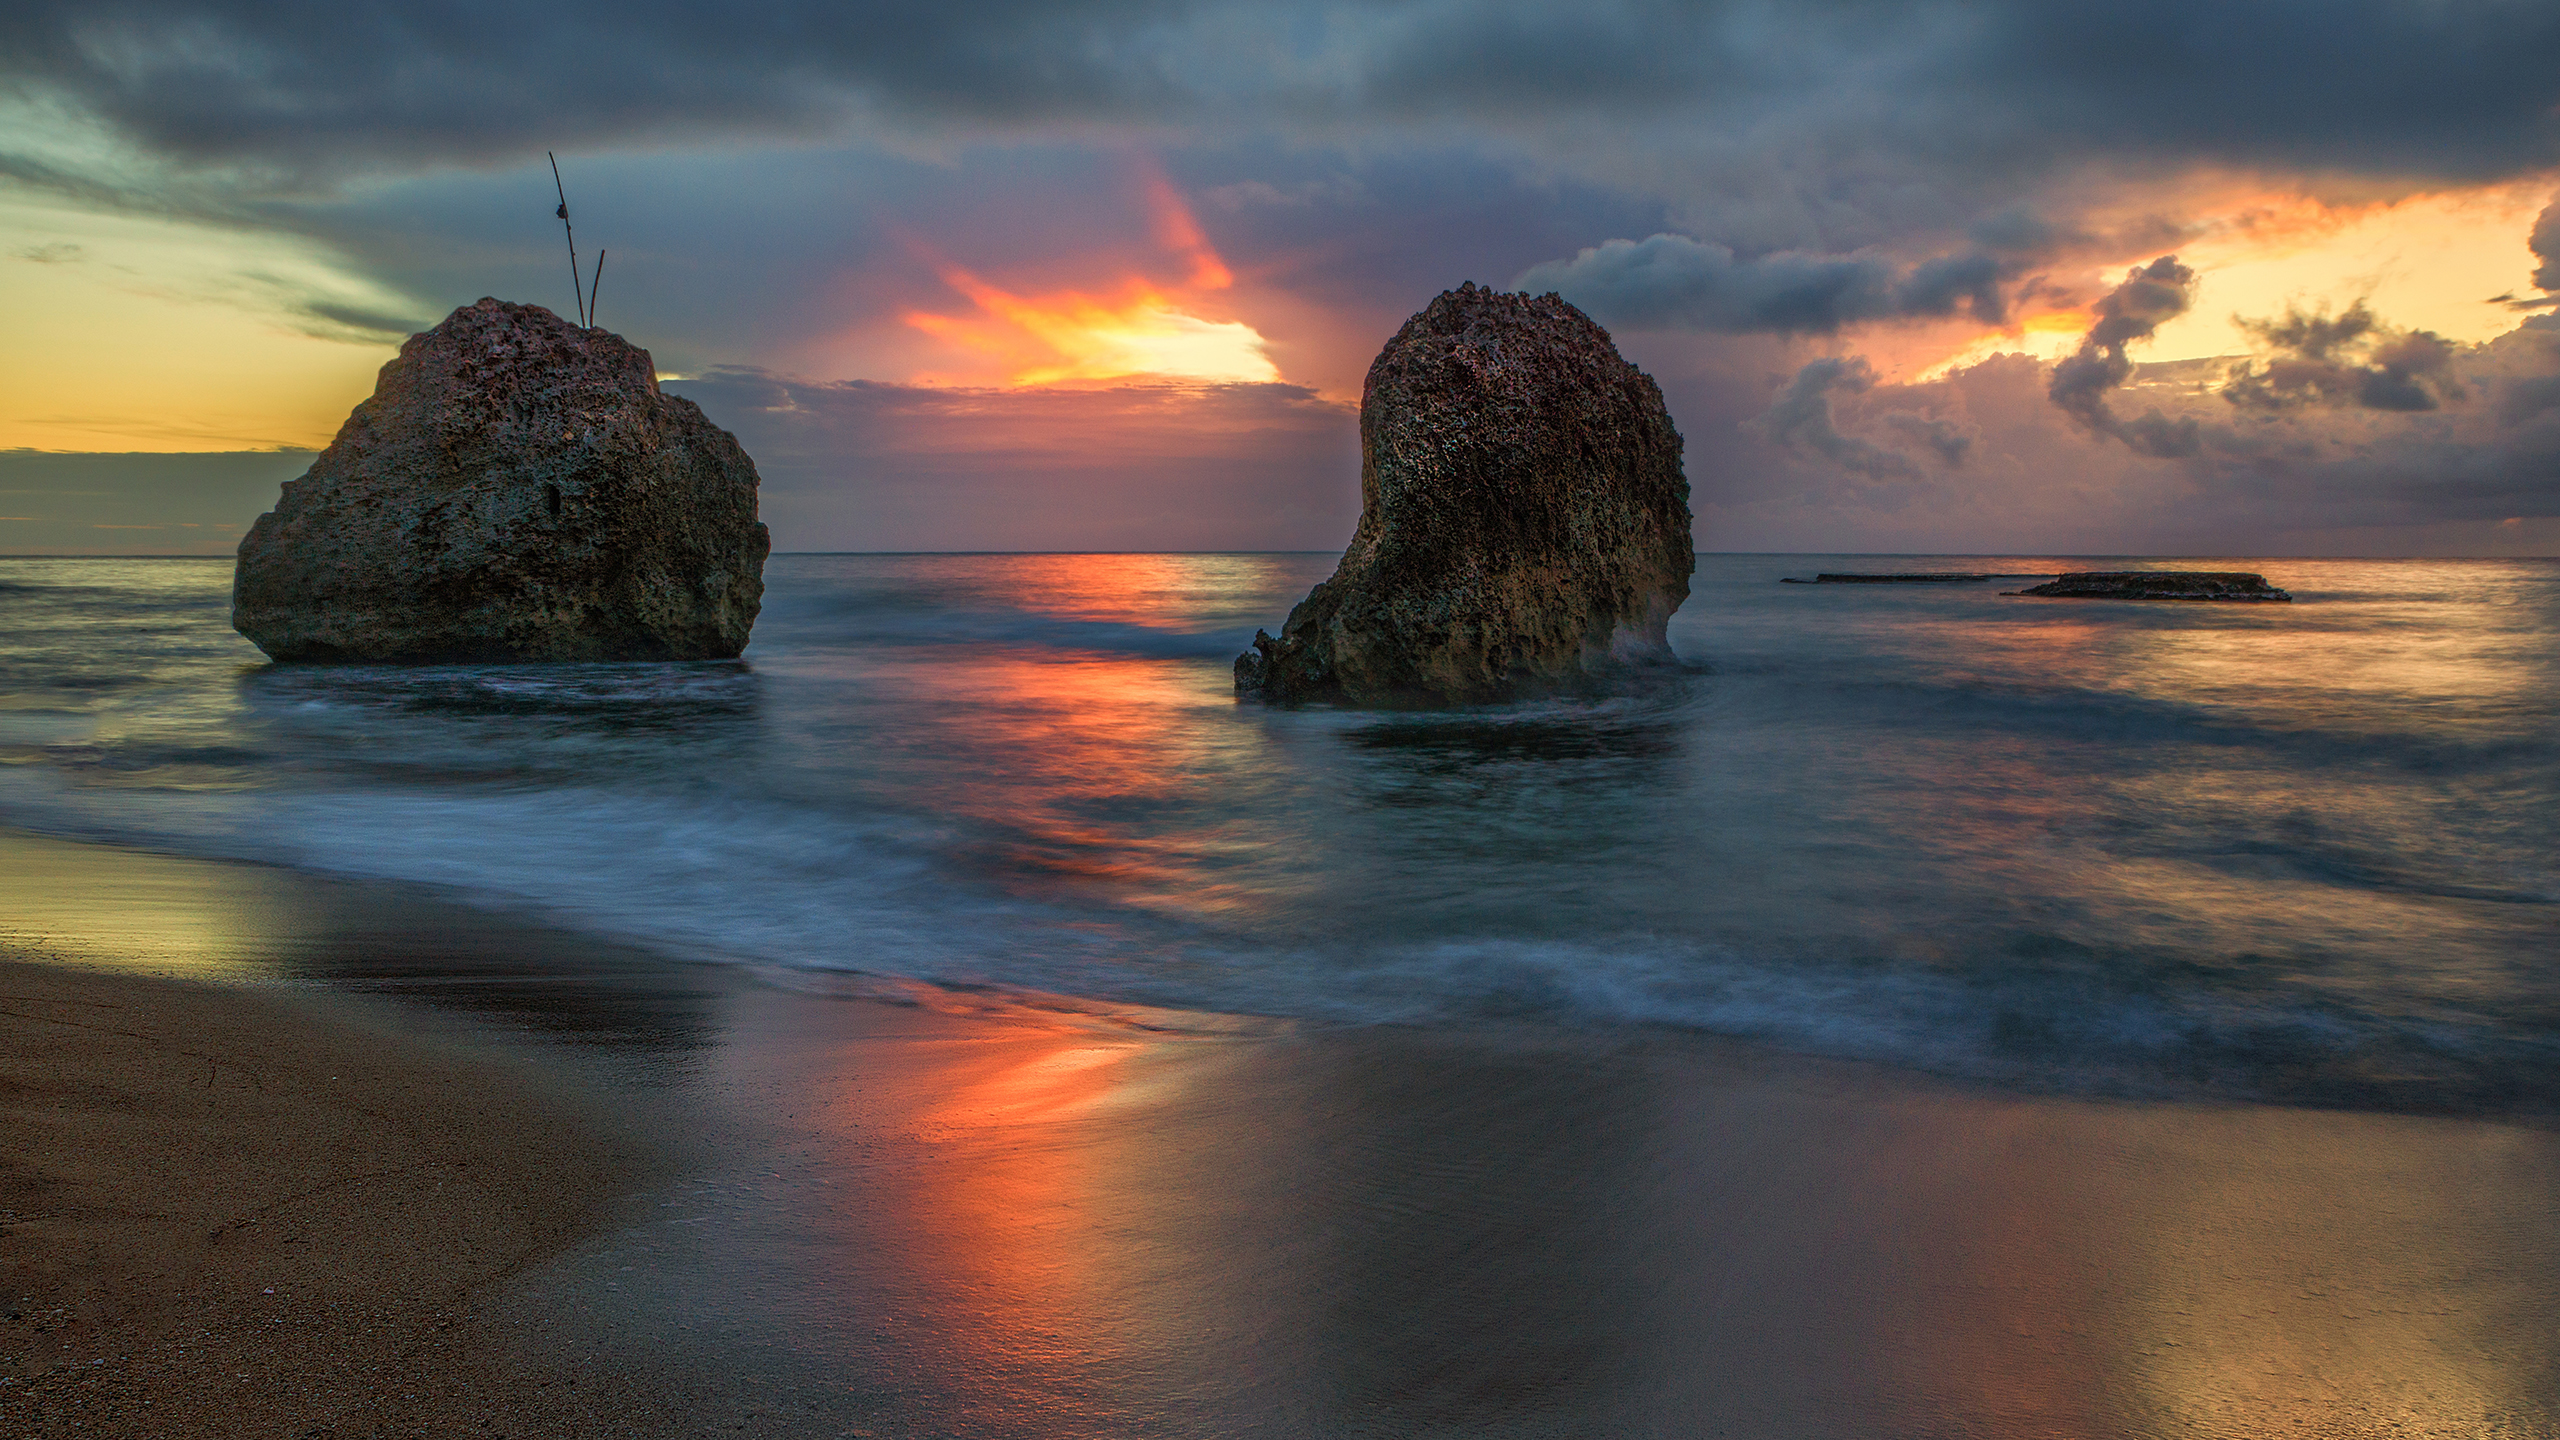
(517, 488)
(1524, 523)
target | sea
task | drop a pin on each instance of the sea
(2303, 853)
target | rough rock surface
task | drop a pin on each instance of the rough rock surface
(2157, 585)
(1524, 523)
(517, 488)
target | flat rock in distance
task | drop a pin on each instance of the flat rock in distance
(2158, 585)
(1914, 578)
(1524, 521)
(517, 488)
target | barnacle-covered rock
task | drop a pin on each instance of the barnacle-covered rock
(1524, 522)
(516, 488)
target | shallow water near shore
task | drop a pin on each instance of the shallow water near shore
(969, 1213)
(2306, 853)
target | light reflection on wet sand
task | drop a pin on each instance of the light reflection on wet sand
(1050, 1226)
(186, 920)
(62, 902)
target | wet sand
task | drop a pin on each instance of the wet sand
(663, 1199)
(238, 1213)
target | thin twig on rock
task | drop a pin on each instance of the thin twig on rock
(565, 229)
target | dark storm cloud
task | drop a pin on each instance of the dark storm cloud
(2545, 243)
(2443, 90)
(1943, 438)
(90, 191)
(2375, 86)
(2149, 297)
(1671, 281)
(1802, 419)
(314, 83)
(2484, 462)
(2529, 400)
(2351, 359)
(1675, 282)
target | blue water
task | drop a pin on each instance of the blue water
(2308, 853)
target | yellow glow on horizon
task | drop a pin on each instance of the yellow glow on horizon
(130, 333)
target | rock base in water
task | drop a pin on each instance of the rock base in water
(2158, 585)
(517, 488)
(1524, 522)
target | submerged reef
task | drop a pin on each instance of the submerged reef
(1524, 521)
(516, 488)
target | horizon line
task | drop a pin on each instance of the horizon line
(1731, 554)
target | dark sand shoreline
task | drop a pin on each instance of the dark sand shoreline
(611, 1194)
(228, 1212)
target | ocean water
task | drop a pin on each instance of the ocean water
(2305, 853)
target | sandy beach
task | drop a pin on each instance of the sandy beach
(289, 1156)
(246, 1213)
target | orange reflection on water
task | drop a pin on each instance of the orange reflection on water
(2392, 637)
(1160, 590)
(2366, 649)
(1087, 751)
(1096, 761)
(1040, 1251)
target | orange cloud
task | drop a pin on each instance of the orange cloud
(1134, 326)
(2430, 261)
(1179, 231)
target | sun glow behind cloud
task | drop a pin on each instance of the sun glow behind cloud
(1136, 326)
(2426, 262)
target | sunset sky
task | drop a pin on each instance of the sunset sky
(1107, 275)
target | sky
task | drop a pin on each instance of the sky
(2041, 276)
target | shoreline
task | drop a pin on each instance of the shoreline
(707, 1202)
